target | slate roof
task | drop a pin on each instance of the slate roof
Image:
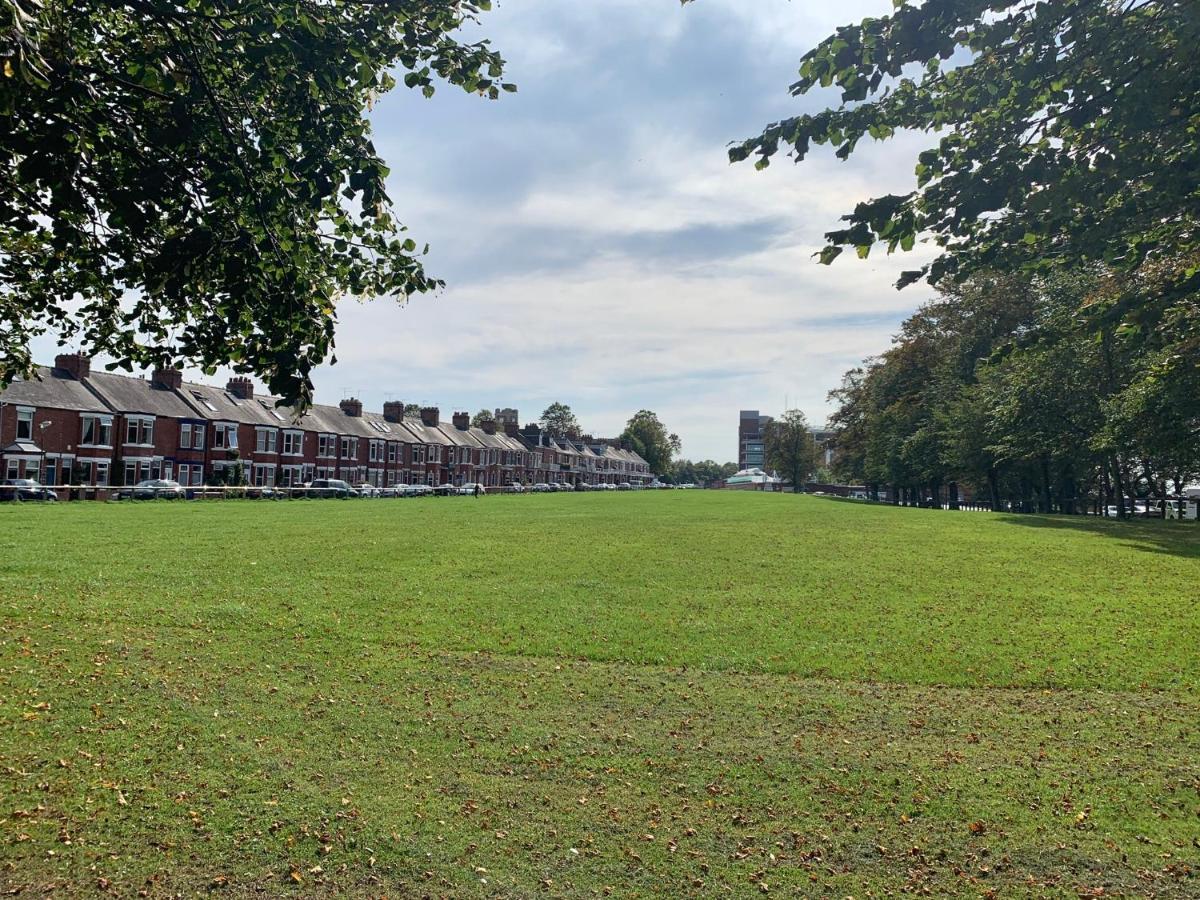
(53, 389)
(126, 394)
(216, 403)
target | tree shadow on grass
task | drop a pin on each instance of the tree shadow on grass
(1152, 535)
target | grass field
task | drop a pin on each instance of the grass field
(654, 694)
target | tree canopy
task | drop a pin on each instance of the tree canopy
(1031, 395)
(652, 441)
(194, 181)
(790, 448)
(558, 419)
(1070, 132)
(483, 417)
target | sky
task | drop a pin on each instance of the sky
(598, 248)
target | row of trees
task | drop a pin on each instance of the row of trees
(1041, 394)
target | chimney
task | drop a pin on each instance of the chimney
(627, 444)
(76, 365)
(167, 379)
(461, 420)
(393, 411)
(352, 407)
(511, 429)
(241, 387)
(489, 426)
(430, 415)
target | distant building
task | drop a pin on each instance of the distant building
(753, 479)
(752, 439)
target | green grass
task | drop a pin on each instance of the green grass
(658, 694)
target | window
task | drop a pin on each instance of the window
(101, 473)
(225, 436)
(139, 430)
(131, 473)
(326, 445)
(263, 476)
(418, 454)
(266, 440)
(97, 431)
(271, 409)
(392, 447)
(24, 424)
(191, 436)
(349, 448)
(293, 443)
(31, 469)
(376, 451)
(435, 454)
(204, 401)
(12, 469)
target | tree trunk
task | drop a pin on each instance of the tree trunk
(1118, 487)
(952, 498)
(1047, 502)
(994, 488)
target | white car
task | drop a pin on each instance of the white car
(366, 489)
(468, 489)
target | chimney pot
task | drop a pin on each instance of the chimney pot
(393, 411)
(241, 387)
(170, 379)
(352, 407)
(430, 415)
(76, 365)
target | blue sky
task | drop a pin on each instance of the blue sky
(598, 248)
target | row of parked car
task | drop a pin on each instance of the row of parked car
(23, 489)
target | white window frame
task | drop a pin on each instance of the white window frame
(102, 426)
(266, 440)
(25, 417)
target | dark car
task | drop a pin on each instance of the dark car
(330, 487)
(21, 489)
(153, 489)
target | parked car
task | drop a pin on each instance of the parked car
(21, 489)
(417, 490)
(514, 488)
(445, 490)
(624, 486)
(542, 488)
(396, 490)
(366, 489)
(468, 489)
(564, 486)
(330, 487)
(153, 489)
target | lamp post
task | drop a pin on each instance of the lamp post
(42, 426)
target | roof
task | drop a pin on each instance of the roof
(22, 447)
(425, 434)
(216, 403)
(53, 389)
(126, 394)
(459, 437)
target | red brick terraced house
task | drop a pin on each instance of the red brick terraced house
(70, 426)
